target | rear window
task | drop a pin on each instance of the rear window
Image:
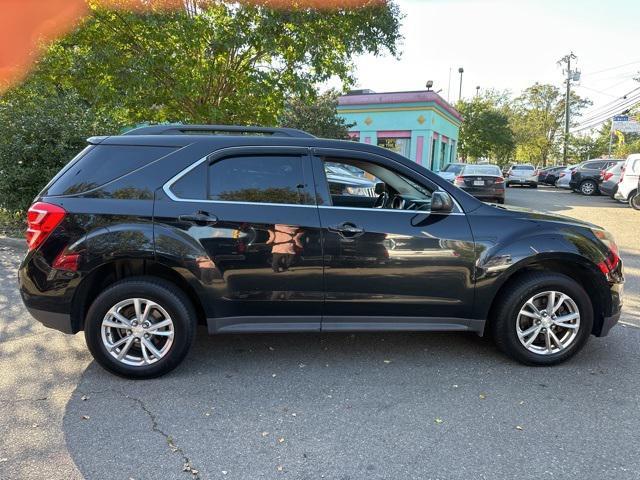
(522, 167)
(453, 168)
(102, 164)
(482, 170)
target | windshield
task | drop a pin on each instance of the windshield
(453, 168)
(482, 170)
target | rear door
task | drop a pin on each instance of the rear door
(245, 223)
(394, 267)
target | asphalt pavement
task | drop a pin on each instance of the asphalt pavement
(338, 406)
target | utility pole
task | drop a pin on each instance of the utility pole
(575, 75)
(460, 71)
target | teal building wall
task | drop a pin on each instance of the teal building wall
(420, 125)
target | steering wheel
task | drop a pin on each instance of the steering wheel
(398, 203)
(382, 200)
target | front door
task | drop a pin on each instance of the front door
(389, 262)
(258, 234)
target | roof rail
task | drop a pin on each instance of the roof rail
(216, 129)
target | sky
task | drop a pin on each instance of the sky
(504, 44)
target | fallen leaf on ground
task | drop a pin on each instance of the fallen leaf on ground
(482, 396)
(84, 398)
(264, 434)
(387, 361)
(438, 421)
(281, 440)
(85, 417)
(280, 468)
(519, 427)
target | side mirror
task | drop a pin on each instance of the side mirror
(441, 202)
(379, 189)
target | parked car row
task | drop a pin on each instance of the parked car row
(616, 178)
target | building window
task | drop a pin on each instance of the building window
(398, 145)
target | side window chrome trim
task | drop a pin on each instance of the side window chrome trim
(222, 153)
(414, 212)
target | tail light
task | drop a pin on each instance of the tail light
(536, 173)
(607, 175)
(612, 258)
(459, 180)
(42, 219)
(499, 180)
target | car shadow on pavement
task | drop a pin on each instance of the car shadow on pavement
(559, 200)
(339, 405)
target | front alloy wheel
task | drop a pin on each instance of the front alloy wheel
(542, 318)
(548, 322)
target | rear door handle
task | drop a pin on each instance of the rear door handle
(199, 218)
(347, 230)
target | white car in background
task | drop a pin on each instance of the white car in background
(565, 177)
(523, 175)
(451, 171)
(628, 186)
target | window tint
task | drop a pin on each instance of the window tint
(102, 164)
(259, 179)
(193, 185)
(594, 165)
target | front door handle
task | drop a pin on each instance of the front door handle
(347, 230)
(199, 218)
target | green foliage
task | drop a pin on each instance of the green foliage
(41, 129)
(228, 63)
(485, 131)
(538, 120)
(317, 115)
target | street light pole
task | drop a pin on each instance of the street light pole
(460, 71)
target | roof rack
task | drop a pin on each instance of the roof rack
(216, 130)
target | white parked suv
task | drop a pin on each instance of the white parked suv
(628, 186)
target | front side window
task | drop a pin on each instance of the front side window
(259, 179)
(376, 187)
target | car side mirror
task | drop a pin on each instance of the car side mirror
(379, 188)
(441, 202)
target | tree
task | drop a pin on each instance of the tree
(485, 131)
(41, 129)
(317, 115)
(538, 119)
(224, 62)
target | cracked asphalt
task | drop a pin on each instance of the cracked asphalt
(340, 406)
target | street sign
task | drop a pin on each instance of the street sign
(625, 124)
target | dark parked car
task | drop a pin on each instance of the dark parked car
(586, 176)
(550, 175)
(482, 181)
(610, 178)
(143, 236)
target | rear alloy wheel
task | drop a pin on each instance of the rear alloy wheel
(140, 327)
(588, 187)
(543, 319)
(634, 200)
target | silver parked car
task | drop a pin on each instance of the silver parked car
(523, 175)
(565, 177)
(451, 171)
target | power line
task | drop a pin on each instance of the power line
(596, 111)
(604, 116)
(611, 68)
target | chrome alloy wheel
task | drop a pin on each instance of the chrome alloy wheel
(548, 323)
(137, 332)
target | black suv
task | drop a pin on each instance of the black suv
(586, 176)
(144, 236)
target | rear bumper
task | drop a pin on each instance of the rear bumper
(57, 321)
(521, 181)
(485, 192)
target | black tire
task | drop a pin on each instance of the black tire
(588, 188)
(634, 200)
(505, 314)
(164, 293)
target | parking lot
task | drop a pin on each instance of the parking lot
(339, 406)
